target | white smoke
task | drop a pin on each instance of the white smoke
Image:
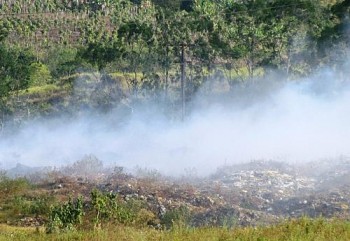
(296, 121)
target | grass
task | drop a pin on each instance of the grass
(37, 90)
(18, 198)
(44, 92)
(301, 229)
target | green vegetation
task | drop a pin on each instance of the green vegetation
(60, 207)
(303, 229)
(65, 216)
(136, 46)
(19, 198)
(67, 56)
(107, 208)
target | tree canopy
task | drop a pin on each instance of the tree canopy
(141, 41)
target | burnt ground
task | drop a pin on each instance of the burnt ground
(255, 193)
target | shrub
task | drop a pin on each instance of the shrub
(12, 187)
(176, 217)
(144, 218)
(65, 217)
(106, 208)
(41, 205)
(39, 74)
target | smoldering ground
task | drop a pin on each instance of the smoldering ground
(293, 121)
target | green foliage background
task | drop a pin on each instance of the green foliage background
(136, 48)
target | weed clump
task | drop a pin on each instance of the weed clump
(66, 216)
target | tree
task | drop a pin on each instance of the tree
(333, 42)
(62, 61)
(173, 5)
(14, 69)
(39, 74)
(138, 37)
(164, 43)
(100, 53)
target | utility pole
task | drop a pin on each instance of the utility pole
(183, 79)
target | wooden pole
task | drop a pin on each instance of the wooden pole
(183, 79)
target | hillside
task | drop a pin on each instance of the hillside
(46, 45)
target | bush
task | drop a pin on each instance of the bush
(65, 217)
(144, 218)
(29, 206)
(39, 74)
(106, 208)
(12, 187)
(176, 217)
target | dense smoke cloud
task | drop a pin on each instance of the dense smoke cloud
(294, 121)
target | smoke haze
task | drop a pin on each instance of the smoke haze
(296, 121)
